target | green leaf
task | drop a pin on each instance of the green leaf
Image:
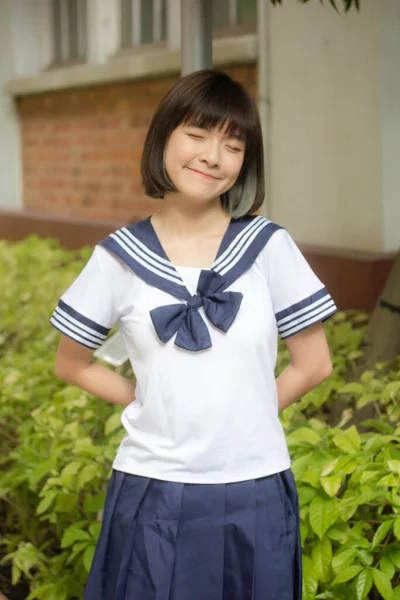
(394, 466)
(95, 529)
(380, 426)
(347, 574)
(88, 557)
(94, 503)
(367, 558)
(353, 388)
(329, 466)
(72, 535)
(300, 464)
(394, 555)
(393, 388)
(322, 558)
(303, 434)
(396, 593)
(349, 440)
(367, 476)
(387, 481)
(310, 583)
(396, 528)
(322, 514)
(85, 447)
(15, 574)
(387, 567)
(43, 591)
(66, 501)
(343, 559)
(77, 549)
(331, 485)
(363, 584)
(68, 473)
(364, 400)
(46, 502)
(381, 532)
(88, 473)
(112, 423)
(382, 584)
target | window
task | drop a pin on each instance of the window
(142, 22)
(234, 14)
(69, 31)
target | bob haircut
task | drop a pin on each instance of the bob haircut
(208, 99)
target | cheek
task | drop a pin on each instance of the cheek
(234, 166)
(178, 155)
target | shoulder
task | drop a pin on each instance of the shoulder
(270, 233)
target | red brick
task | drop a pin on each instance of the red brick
(81, 148)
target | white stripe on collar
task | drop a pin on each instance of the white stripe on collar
(147, 258)
(239, 245)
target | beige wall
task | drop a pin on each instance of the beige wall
(391, 124)
(10, 161)
(326, 124)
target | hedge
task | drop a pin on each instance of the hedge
(58, 443)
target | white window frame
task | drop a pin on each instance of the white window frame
(105, 62)
(136, 34)
(233, 27)
(65, 56)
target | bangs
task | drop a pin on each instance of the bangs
(230, 127)
(228, 110)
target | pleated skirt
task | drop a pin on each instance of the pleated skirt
(163, 540)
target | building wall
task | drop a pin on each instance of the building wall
(81, 148)
(10, 160)
(391, 123)
(333, 130)
(326, 124)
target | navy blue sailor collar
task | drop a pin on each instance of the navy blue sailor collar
(140, 249)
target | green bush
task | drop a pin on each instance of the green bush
(58, 443)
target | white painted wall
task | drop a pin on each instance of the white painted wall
(391, 124)
(10, 160)
(326, 126)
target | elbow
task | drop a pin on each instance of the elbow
(62, 371)
(324, 372)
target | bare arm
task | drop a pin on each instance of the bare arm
(74, 364)
(310, 364)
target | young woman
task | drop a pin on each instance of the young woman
(201, 504)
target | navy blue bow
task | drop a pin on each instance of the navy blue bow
(185, 320)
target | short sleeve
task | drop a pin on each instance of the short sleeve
(299, 298)
(86, 311)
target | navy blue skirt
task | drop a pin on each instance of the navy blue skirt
(162, 540)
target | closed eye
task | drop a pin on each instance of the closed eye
(195, 137)
(234, 149)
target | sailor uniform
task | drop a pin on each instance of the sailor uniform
(203, 347)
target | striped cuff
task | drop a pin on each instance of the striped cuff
(77, 327)
(314, 309)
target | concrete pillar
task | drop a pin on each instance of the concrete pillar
(10, 65)
(196, 35)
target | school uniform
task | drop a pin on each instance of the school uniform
(201, 503)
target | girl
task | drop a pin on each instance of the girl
(201, 504)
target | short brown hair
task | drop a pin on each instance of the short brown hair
(208, 99)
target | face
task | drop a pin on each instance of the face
(203, 164)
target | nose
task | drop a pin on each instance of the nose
(211, 153)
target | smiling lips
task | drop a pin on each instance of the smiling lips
(203, 174)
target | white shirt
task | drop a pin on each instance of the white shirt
(208, 416)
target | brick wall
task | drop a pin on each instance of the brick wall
(81, 148)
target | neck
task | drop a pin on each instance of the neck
(185, 220)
